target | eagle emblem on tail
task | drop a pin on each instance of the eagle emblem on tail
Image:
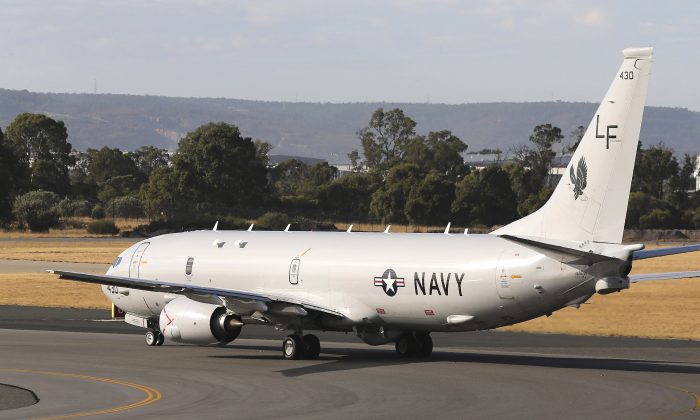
(578, 179)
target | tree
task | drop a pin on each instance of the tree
(429, 201)
(159, 194)
(114, 172)
(389, 201)
(653, 169)
(485, 197)
(149, 158)
(350, 196)
(576, 136)
(126, 206)
(216, 168)
(262, 151)
(385, 139)
(37, 209)
(11, 182)
(41, 145)
(439, 151)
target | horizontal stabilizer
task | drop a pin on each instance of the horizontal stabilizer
(653, 253)
(664, 276)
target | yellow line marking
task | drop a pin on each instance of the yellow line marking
(307, 250)
(152, 394)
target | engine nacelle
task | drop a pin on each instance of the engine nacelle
(188, 321)
(608, 285)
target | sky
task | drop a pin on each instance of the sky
(438, 51)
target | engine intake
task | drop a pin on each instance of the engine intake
(188, 321)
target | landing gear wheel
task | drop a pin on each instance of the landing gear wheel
(293, 347)
(425, 344)
(160, 340)
(406, 345)
(313, 346)
(151, 338)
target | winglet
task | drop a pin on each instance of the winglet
(250, 229)
(349, 229)
(287, 228)
(447, 229)
(387, 229)
(216, 225)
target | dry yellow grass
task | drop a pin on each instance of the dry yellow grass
(659, 309)
(38, 289)
(122, 224)
(102, 252)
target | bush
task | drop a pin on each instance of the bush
(73, 208)
(273, 221)
(658, 219)
(102, 227)
(38, 210)
(98, 212)
(128, 207)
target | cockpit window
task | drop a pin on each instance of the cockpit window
(188, 266)
(116, 262)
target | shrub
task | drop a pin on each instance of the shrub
(37, 209)
(102, 227)
(98, 212)
(73, 208)
(128, 207)
(273, 221)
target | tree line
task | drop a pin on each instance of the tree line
(400, 176)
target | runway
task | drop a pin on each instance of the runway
(471, 375)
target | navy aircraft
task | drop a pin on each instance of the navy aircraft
(203, 287)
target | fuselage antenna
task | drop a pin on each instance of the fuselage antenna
(250, 229)
(447, 229)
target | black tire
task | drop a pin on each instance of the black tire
(312, 346)
(293, 347)
(406, 345)
(160, 340)
(151, 338)
(425, 344)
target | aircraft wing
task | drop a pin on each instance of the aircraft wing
(664, 276)
(653, 253)
(180, 288)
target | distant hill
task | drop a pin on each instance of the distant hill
(319, 130)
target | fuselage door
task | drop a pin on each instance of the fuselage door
(136, 257)
(294, 271)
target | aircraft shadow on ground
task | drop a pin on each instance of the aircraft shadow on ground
(351, 359)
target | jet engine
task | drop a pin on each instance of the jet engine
(188, 321)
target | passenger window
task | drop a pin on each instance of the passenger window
(188, 267)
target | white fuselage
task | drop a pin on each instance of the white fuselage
(494, 280)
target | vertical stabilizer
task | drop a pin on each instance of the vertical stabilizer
(590, 201)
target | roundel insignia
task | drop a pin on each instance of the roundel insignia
(389, 282)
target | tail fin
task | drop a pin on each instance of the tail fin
(590, 201)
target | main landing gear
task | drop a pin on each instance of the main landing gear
(154, 338)
(297, 347)
(418, 344)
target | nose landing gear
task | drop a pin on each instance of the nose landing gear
(154, 338)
